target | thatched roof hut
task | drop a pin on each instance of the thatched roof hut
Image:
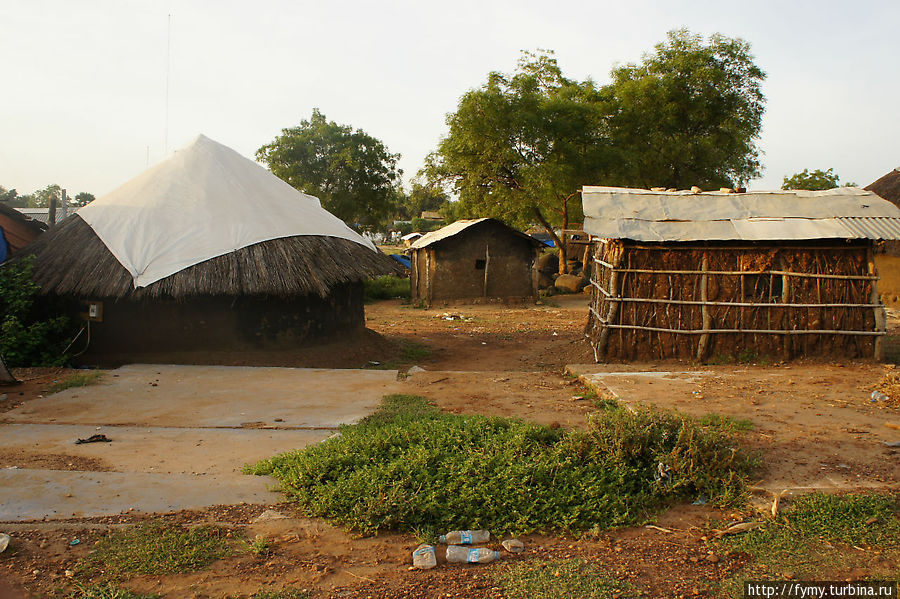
(208, 250)
(704, 275)
(888, 187)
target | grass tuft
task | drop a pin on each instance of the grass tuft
(79, 379)
(288, 593)
(558, 579)
(106, 591)
(411, 467)
(821, 532)
(156, 548)
(385, 287)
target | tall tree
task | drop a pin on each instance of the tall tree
(351, 172)
(422, 197)
(11, 198)
(41, 198)
(816, 180)
(689, 113)
(520, 146)
(83, 199)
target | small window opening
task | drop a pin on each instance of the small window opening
(479, 264)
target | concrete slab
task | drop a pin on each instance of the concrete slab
(180, 435)
(53, 494)
(215, 396)
(157, 449)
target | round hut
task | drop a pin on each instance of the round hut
(207, 251)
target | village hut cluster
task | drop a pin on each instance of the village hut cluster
(207, 251)
(685, 275)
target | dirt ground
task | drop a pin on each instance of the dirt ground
(813, 422)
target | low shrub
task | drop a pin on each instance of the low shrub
(411, 467)
(33, 331)
(386, 287)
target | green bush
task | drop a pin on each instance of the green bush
(386, 287)
(411, 467)
(32, 333)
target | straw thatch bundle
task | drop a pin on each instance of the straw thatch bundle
(72, 260)
(888, 186)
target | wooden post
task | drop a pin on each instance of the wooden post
(703, 344)
(616, 253)
(51, 215)
(487, 267)
(429, 283)
(880, 317)
(786, 319)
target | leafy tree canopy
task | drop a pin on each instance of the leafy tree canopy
(351, 172)
(422, 197)
(817, 180)
(520, 146)
(689, 114)
(83, 199)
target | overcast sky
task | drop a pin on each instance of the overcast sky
(84, 82)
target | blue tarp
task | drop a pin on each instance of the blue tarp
(402, 260)
(3, 246)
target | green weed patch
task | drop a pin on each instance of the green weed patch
(79, 379)
(411, 467)
(155, 548)
(385, 287)
(824, 532)
(106, 591)
(558, 579)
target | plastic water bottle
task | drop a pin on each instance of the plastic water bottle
(472, 555)
(424, 558)
(465, 537)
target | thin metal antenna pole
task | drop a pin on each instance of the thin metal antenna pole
(168, 55)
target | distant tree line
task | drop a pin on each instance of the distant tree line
(42, 197)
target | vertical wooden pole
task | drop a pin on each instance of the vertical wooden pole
(51, 215)
(487, 268)
(786, 319)
(614, 257)
(703, 344)
(429, 281)
(880, 317)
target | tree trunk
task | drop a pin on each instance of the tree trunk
(555, 237)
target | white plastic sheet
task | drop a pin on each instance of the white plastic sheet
(205, 201)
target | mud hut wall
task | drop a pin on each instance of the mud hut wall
(670, 294)
(460, 264)
(224, 323)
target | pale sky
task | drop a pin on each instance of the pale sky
(84, 81)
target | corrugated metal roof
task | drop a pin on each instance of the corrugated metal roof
(43, 214)
(445, 232)
(457, 228)
(643, 215)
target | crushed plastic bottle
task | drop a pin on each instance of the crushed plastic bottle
(878, 396)
(472, 555)
(465, 537)
(424, 558)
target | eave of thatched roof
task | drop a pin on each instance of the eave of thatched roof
(72, 260)
(888, 186)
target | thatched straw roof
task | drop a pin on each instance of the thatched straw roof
(72, 260)
(888, 186)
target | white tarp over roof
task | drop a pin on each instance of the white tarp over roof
(205, 201)
(644, 215)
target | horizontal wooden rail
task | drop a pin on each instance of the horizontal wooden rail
(736, 331)
(786, 273)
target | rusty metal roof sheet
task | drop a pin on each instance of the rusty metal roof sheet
(644, 215)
